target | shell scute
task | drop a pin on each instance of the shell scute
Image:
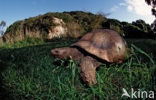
(105, 44)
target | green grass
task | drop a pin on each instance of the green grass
(27, 42)
(32, 73)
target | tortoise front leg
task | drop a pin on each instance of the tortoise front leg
(88, 67)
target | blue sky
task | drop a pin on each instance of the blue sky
(123, 10)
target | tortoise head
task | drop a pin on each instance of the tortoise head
(60, 52)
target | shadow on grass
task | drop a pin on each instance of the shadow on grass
(25, 59)
(147, 45)
(4, 92)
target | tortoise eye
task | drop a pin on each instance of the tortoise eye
(56, 51)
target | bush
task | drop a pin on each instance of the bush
(132, 31)
(114, 25)
(87, 20)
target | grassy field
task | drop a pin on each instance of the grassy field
(30, 73)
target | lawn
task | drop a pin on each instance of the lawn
(31, 72)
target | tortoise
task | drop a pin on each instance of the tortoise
(93, 49)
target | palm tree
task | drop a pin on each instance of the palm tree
(2, 25)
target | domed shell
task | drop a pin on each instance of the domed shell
(105, 44)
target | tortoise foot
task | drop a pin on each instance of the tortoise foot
(88, 71)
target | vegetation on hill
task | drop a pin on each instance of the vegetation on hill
(77, 23)
(136, 29)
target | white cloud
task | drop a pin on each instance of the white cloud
(130, 8)
(140, 8)
(114, 8)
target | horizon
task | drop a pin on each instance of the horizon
(122, 10)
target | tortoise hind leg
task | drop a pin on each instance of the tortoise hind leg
(88, 70)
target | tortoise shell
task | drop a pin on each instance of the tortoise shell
(105, 44)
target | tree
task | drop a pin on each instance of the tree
(153, 4)
(142, 25)
(2, 25)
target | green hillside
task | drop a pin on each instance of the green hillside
(77, 23)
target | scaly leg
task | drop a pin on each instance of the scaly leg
(88, 67)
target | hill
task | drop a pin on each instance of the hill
(72, 24)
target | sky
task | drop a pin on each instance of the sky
(123, 10)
